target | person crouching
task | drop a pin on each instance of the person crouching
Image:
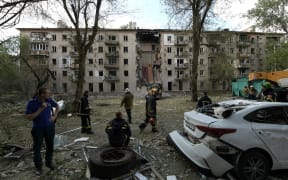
(118, 131)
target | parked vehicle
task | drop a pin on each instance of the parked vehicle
(247, 138)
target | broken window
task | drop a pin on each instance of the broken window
(112, 38)
(111, 49)
(54, 49)
(112, 60)
(64, 37)
(53, 37)
(252, 51)
(90, 87)
(64, 73)
(64, 49)
(54, 61)
(126, 73)
(169, 86)
(90, 73)
(169, 49)
(201, 61)
(64, 61)
(100, 61)
(101, 87)
(169, 38)
(201, 72)
(169, 73)
(112, 73)
(126, 85)
(100, 37)
(112, 88)
(125, 61)
(100, 49)
(169, 61)
(100, 73)
(90, 61)
(125, 38)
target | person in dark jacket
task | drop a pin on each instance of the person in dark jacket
(40, 111)
(118, 131)
(151, 112)
(204, 100)
(85, 114)
(127, 100)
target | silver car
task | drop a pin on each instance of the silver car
(247, 138)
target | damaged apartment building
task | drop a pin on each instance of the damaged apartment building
(133, 58)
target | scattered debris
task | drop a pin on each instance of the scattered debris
(15, 151)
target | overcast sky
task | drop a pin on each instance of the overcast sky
(151, 14)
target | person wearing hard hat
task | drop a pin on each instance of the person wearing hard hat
(150, 111)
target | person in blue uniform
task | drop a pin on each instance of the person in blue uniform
(40, 111)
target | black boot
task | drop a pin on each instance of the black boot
(142, 126)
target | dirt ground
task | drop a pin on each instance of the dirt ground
(14, 129)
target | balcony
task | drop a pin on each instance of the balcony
(181, 43)
(74, 54)
(39, 53)
(243, 55)
(181, 66)
(182, 55)
(112, 42)
(182, 77)
(111, 78)
(111, 65)
(112, 54)
(74, 66)
(243, 43)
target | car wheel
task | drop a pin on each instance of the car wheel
(105, 160)
(252, 165)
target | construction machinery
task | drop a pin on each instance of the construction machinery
(278, 79)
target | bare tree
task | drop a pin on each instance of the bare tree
(83, 15)
(41, 75)
(194, 13)
(11, 11)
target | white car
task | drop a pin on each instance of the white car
(247, 138)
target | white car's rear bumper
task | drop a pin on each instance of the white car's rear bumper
(200, 155)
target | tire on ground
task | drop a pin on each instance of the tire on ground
(110, 162)
(245, 161)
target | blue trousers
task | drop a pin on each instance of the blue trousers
(38, 135)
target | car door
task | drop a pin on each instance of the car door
(270, 125)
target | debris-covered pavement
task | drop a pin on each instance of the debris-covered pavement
(68, 156)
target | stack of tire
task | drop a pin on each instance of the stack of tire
(110, 162)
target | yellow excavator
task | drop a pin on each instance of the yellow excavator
(279, 79)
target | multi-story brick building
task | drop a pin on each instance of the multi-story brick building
(130, 58)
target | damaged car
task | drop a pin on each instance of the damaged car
(240, 137)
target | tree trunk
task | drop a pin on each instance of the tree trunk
(196, 48)
(80, 81)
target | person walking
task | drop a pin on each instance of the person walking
(127, 100)
(151, 112)
(118, 131)
(40, 111)
(204, 100)
(85, 114)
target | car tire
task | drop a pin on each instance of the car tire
(110, 162)
(252, 165)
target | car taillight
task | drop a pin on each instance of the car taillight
(218, 132)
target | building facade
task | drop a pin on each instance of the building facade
(131, 58)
